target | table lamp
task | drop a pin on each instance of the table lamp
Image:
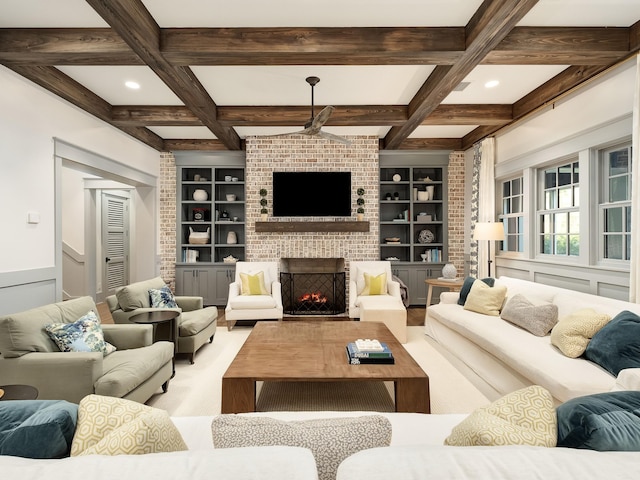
(490, 231)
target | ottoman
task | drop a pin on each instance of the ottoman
(388, 310)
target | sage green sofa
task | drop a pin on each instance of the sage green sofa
(137, 370)
(196, 324)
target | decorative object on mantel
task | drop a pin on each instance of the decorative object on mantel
(263, 204)
(229, 259)
(200, 195)
(232, 238)
(426, 236)
(449, 271)
(198, 238)
(360, 202)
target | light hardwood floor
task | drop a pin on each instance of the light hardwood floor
(415, 315)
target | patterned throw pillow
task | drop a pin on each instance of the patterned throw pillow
(574, 331)
(330, 440)
(83, 335)
(536, 319)
(162, 298)
(485, 299)
(115, 426)
(374, 285)
(524, 417)
(253, 284)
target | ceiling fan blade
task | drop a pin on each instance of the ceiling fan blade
(335, 138)
(322, 117)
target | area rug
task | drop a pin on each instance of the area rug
(316, 396)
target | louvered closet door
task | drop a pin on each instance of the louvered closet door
(115, 242)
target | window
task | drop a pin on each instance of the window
(615, 204)
(559, 210)
(512, 215)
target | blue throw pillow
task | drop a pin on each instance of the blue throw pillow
(616, 346)
(466, 287)
(604, 422)
(162, 298)
(37, 428)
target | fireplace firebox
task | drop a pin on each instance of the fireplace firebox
(313, 286)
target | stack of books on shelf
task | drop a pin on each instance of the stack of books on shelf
(190, 256)
(369, 351)
(433, 255)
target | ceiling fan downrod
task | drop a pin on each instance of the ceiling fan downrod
(313, 82)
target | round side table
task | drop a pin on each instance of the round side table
(452, 285)
(158, 317)
(18, 392)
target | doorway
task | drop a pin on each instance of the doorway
(115, 241)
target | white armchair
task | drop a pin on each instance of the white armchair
(255, 305)
(357, 283)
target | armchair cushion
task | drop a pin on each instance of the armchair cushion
(244, 302)
(196, 321)
(374, 285)
(37, 428)
(162, 297)
(136, 295)
(83, 335)
(253, 284)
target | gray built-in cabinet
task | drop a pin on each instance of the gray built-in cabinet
(201, 268)
(413, 217)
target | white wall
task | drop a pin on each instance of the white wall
(30, 118)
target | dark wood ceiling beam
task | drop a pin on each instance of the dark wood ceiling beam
(199, 145)
(317, 46)
(560, 46)
(634, 37)
(309, 46)
(131, 20)
(487, 28)
(431, 144)
(65, 46)
(343, 115)
(53, 80)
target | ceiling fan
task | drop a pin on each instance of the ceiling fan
(314, 126)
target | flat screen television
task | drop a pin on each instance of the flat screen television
(311, 194)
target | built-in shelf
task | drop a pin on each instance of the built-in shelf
(301, 226)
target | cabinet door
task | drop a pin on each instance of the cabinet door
(195, 282)
(223, 276)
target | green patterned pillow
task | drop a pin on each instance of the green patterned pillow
(524, 417)
(331, 440)
(83, 335)
(115, 426)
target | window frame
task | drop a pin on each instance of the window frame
(520, 216)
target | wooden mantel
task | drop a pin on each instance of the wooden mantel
(302, 226)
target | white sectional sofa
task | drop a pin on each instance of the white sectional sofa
(416, 452)
(499, 357)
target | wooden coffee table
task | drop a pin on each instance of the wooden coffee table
(315, 352)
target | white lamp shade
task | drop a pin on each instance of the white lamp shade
(488, 231)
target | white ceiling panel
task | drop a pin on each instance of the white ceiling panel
(442, 131)
(582, 13)
(173, 133)
(48, 13)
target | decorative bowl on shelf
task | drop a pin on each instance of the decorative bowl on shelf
(230, 259)
(392, 239)
(392, 259)
(231, 197)
(424, 257)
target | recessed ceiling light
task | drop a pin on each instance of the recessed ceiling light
(132, 85)
(492, 83)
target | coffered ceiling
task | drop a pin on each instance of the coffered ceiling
(213, 72)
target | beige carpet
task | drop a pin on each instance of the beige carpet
(197, 389)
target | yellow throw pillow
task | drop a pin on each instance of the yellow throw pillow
(524, 417)
(375, 285)
(253, 284)
(114, 426)
(574, 331)
(485, 299)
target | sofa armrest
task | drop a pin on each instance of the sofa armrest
(128, 336)
(393, 289)
(68, 375)
(449, 297)
(628, 379)
(189, 303)
(353, 294)
(234, 289)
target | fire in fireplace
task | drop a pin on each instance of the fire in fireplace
(313, 286)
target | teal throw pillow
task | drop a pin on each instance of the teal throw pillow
(162, 298)
(466, 287)
(616, 346)
(604, 422)
(37, 428)
(83, 335)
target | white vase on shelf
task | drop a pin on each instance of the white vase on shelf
(449, 271)
(200, 195)
(430, 191)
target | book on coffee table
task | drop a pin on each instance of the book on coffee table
(383, 352)
(354, 357)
